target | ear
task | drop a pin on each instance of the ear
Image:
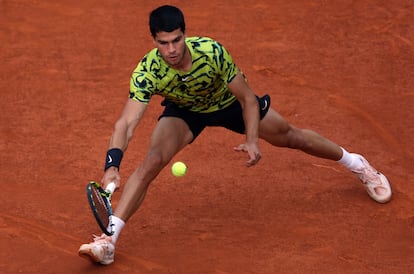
(154, 40)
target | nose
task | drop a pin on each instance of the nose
(171, 47)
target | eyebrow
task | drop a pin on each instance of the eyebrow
(178, 38)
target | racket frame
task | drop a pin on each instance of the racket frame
(106, 198)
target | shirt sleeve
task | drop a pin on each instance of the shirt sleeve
(142, 83)
(224, 62)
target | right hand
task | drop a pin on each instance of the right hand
(111, 175)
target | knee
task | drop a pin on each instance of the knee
(155, 159)
(296, 139)
(153, 162)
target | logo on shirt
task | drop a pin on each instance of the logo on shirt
(186, 78)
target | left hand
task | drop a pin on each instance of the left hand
(253, 152)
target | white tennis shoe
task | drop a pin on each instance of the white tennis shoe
(101, 250)
(374, 181)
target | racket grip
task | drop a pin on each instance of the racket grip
(110, 188)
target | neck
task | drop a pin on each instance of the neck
(186, 63)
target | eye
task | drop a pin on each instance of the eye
(178, 39)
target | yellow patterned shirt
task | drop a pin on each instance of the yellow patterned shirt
(202, 89)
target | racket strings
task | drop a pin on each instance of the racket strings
(101, 206)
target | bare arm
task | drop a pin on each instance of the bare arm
(126, 124)
(123, 132)
(247, 99)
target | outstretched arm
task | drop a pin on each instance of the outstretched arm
(247, 99)
(123, 132)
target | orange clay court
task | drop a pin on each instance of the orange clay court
(342, 68)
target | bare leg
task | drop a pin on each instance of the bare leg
(278, 132)
(169, 137)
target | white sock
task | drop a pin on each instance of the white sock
(349, 160)
(117, 226)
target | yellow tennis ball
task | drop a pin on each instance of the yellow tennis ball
(179, 169)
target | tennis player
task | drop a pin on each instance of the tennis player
(202, 87)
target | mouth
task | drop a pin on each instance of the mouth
(173, 57)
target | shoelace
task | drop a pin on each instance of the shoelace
(97, 238)
(368, 175)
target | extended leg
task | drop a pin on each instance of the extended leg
(169, 137)
(277, 131)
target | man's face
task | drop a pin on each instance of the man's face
(171, 46)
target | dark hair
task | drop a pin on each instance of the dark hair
(166, 18)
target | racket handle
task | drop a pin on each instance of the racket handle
(110, 188)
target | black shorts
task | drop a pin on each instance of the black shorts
(231, 117)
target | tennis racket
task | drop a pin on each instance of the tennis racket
(100, 202)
